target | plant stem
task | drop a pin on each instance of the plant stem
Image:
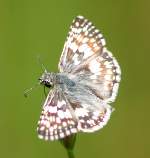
(69, 143)
(70, 154)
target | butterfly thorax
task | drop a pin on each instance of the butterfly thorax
(49, 79)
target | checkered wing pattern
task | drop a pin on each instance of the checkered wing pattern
(92, 112)
(83, 42)
(82, 106)
(100, 74)
(85, 55)
(91, 121)
(57, 119)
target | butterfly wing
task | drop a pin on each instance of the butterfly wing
(100, 74)
(86, 56)
(83, 42)
(96, 75)
(92, 112)
(57, 119)
(91, 121)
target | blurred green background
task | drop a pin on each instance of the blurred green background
(29, 28)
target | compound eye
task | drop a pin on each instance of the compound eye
(47, 84)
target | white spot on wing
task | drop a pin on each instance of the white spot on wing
(94, 66)
(60, 103)
(61, 114)
(41, 136)
(81, 112)
(103, 41)
(52, 109)
(77, 24)
(61, 135)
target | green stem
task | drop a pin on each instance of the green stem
(69, 143)
(70, 154)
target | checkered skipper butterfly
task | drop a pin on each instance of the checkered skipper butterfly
(81, 92)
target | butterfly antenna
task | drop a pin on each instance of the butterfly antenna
(40, 62)
(27, 91)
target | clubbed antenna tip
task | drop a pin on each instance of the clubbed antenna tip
(27, 91)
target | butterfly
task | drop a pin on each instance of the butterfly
(80, 93)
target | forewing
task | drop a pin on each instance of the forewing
(83, 42)
(102, 75)
(85, 56)
(57, 119)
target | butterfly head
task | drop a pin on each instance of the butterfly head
(47, 79)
